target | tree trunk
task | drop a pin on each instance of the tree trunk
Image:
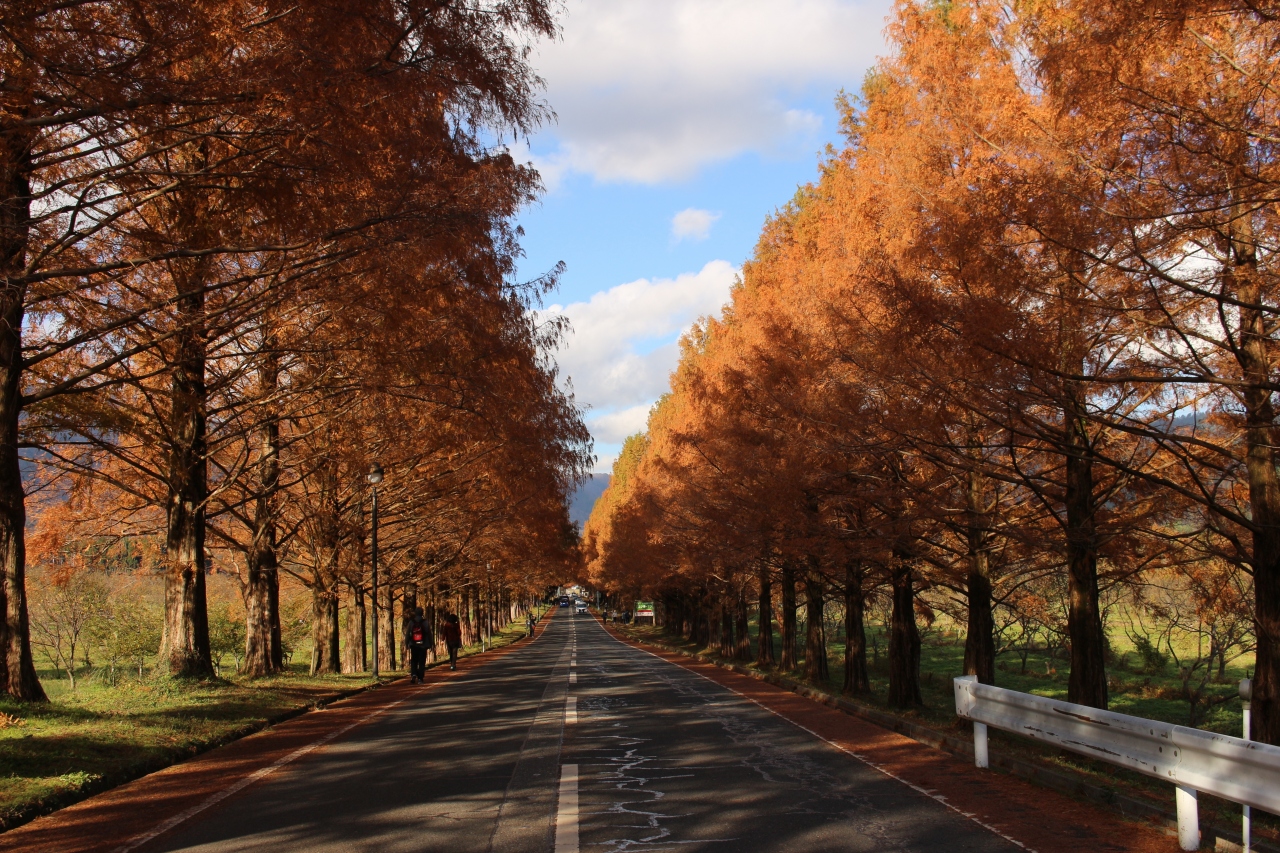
(742, 628)
(764, 642)
(324, 629)
(980, 641)
(386, 630)
(261, 597)
(788, 617)
(17, 669)
(1264, 487)
(354, 655)
(1087, 684)
(185, 646)
(277, 640)
(468, 625)
(904, 639)
(980, 638)
(262, 655)
(410, 601)
(726, 627)
(856, 677)
(701, 619)
(815, 641)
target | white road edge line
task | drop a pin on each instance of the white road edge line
(930, 794)
(567, 811)
(570, 710)
(183, 817)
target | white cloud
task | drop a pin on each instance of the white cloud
(615, 427)
(692, 223)
(652, 90)
(623, 346)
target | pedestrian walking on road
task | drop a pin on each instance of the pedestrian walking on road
(418, 634)
(452, 634)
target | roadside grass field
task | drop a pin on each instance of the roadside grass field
(101, 734)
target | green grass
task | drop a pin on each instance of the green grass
(1153, 695)
(100, 734)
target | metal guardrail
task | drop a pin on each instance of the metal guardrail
(1232, 768)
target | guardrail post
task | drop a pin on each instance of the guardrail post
(1246, 825)
(980, 745)
(1188, 818)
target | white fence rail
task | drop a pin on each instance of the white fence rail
(1228, 767)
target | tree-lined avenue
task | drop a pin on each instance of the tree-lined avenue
(665, 756)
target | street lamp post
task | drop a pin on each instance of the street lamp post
(374, 477)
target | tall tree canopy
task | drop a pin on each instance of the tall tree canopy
(1019, 334)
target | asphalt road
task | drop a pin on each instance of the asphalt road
(579, 742)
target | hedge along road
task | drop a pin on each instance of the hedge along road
(580, 742)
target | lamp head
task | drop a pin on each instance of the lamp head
(1246, 689)
(375, 474)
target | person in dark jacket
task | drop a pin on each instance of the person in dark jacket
(417, 635)
(452, 634)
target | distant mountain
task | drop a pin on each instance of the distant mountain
(585, 498)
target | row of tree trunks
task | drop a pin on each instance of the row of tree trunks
(725, 624)
(788, 662)
(725, 606)
(742, 626)
(764, 642)
(341, 625)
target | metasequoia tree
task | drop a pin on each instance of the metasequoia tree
(1187, 118)
(83, 84)
(1014, 342)
(185, 249)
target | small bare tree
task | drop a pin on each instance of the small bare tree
(65, 610)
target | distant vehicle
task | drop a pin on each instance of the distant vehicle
(564, 601)
(582, 607)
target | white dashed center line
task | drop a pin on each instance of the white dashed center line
(567, 812)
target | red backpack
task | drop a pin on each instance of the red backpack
(418, 633)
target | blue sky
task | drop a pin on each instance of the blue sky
(682, 124)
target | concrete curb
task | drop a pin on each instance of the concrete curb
(1055, 780)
